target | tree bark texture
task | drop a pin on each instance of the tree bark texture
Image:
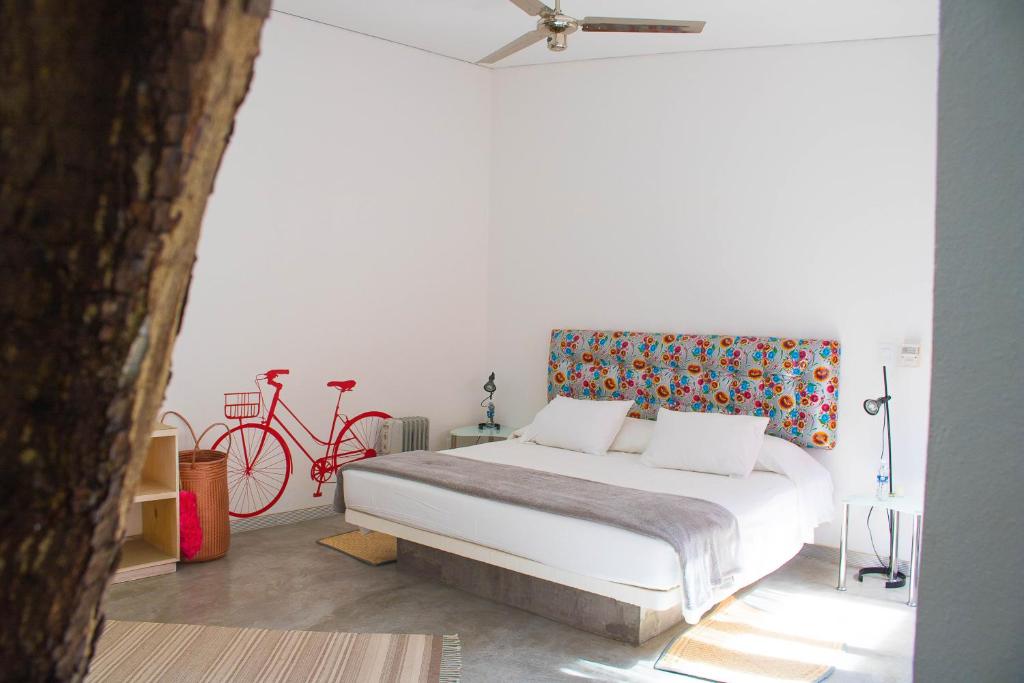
(114, 116)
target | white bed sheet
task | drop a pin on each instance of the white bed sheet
(776, 515)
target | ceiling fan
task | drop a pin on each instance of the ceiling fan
(556, 27)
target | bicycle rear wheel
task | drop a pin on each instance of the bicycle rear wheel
(259, 464)
(359, 438)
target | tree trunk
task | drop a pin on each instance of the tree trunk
(113, 119)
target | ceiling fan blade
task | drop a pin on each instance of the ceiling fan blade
(533, 7)
(523, 41)
(628, 25)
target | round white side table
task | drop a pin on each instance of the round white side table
(474, 432)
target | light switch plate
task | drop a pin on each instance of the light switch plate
(887, 351)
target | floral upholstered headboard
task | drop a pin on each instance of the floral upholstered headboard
(792, 382)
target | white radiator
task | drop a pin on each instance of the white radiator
(405, 434)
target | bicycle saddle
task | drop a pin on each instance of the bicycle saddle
(343, 385)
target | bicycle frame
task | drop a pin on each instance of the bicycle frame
(272, 417)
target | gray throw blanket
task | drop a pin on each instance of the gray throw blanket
(704, 534)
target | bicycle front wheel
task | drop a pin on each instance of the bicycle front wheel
(259, 464)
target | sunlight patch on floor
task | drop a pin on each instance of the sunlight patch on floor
(862, 626)
(803, 628)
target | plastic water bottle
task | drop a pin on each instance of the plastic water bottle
(882, 478)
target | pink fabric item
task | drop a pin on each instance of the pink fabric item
(191, 531)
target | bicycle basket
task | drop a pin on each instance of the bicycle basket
(240, 405)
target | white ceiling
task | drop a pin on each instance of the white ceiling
(471, 29)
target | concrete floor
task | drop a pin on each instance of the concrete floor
(280, 578)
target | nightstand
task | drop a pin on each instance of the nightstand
(474, 432)
(898, 505)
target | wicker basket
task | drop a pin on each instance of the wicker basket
(205, 473)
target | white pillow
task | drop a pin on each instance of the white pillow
(776, 454)
(706, 442)
(813, 482)
(575, 425)
(634, 436)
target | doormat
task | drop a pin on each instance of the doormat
(740, 643)
(373, 548)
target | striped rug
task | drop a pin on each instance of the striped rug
(143, 652)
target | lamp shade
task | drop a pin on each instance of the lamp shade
(873, 405)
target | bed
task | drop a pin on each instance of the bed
(604, 579)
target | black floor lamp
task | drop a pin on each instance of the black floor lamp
(873, 406)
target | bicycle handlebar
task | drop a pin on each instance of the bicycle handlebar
(270, 376)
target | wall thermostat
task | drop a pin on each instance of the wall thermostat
(910, 355)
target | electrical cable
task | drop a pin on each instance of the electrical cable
(871, 537)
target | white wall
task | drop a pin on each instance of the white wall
(780, 191)
(346, 237)
(375, 198)
(969, 623)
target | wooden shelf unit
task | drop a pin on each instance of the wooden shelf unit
(155, 550)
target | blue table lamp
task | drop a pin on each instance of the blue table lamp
(490, 388)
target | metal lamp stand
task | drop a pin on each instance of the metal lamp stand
(896, 578)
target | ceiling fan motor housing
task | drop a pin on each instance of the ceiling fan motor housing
(558, 27)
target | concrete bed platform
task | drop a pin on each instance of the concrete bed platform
(595, 614)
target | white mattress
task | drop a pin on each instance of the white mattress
(775, 514)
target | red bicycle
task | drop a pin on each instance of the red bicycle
(259, 460)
